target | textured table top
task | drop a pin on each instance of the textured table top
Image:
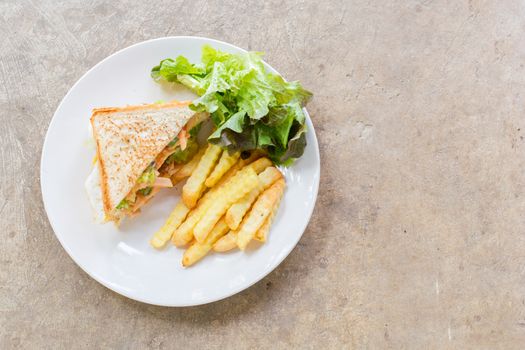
(418, 237)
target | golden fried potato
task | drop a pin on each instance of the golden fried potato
(227, 242)
(225, 163)
(198, 250)
(194, 187)
(187, 169)
(184, 233)
(263, 231)
(229, 174)
(260, 211)
(194, 253)
(240, 184)
(260, 164)
(236, 212)
(163, 235)
(219, 230)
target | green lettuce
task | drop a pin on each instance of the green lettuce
(124, 205)
(145, 191)
(251, 108)
(148, 176)
(180, 156)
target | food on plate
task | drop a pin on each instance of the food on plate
(194, 187)
(233, 188)
(236, 212)
(163, 235)
(184, 233)
(260, 164)
(137, 148)
(263, 231)
(249, 179)
(225, 163)
(226, 242)
(251, 108)
(185, 170)
(198, 250)
(241, 183)
(261, 209)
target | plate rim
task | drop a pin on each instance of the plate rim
(116, 288)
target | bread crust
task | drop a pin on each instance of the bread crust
(147, 106)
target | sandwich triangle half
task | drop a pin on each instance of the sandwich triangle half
(128, 139)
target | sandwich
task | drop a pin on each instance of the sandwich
(137, 148)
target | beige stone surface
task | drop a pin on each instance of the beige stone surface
(418, 236)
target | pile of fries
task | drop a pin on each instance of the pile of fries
(226, 202)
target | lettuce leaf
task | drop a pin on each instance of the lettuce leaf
(148, 176)
(180, 156)
(145, 191)
(123, 205)
(251, 108)
(169, 69)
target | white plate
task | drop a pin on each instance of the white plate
(121, 259)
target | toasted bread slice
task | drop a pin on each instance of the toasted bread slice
(128, 139)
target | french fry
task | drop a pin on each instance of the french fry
(163, 235)
(258, 167)
(219, 230)
(225, 162)
(198, 250)
(186, 169)
(194, 253)
(238, 165)
(240, 184)
(236, 212)
(184, 233)
(260, 164)
(229, 174)
(260, 211)
(194, 187)
(226, 242)
(263, 231)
